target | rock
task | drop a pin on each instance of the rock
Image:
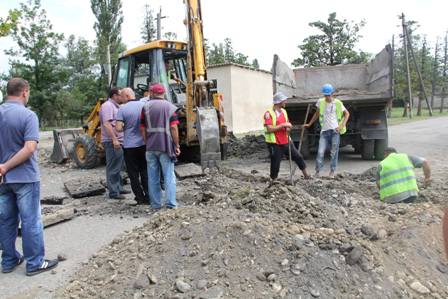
(419, 288)
(354, 256)
(182, 286)
(382, 234)
(261, 276)
(285, 262)
(392, 218)
(272, 277)
(213, 293)
(152, 278)
(314, 293)
(442, 268)
(62, 257)
(202, 284)
(368, 230)
(276, 287)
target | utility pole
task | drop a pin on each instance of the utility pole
(159, 24)
(408, 73)
(422, 85)
(391, 102)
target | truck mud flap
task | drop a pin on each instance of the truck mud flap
(207, 127)
(63, 144)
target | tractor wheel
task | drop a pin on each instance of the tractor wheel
(368, 149)
(380, 146)
(85, 153)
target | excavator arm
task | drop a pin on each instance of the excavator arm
(204, 114)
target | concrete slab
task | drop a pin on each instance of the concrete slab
(82, 188)
(188, 170)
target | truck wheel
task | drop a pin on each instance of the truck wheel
(380, 146)
(85, 154)
(368, 149)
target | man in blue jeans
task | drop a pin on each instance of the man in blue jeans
(19, 183)
(112, 141)
(333, 117)
(159, 129)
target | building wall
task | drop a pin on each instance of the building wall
(247, 95)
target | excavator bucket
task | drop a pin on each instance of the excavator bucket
(63, 144)
(207, 127)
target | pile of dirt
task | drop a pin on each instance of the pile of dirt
(243, 237)
(250, 146)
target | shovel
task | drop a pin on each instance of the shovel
(293, 171)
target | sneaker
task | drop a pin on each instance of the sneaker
(46, 266)
(119, 196)
(19, 262)
(124, 191)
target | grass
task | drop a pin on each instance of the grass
(397, 116)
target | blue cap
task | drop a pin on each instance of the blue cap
(327, 89)
(279, 97)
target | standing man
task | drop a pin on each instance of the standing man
(112, 141)
(128, 120)
(159, 129)
(276, 130)
(396, 177)
(333, 117)
(19, 183)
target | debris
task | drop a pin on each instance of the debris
(58, 216)
(182, 286)
(188, 170)
(53, 200)
(83, 188)
(419, 288)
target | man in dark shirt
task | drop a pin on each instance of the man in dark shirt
(19, 183)
(159, 129)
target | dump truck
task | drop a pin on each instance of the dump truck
(202, 130)
(365, 90)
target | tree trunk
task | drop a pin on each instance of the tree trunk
(435, 71)
(445, 60)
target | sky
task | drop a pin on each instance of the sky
(258, 28)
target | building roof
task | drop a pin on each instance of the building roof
(238, 65)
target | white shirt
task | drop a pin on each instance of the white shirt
(330, 116)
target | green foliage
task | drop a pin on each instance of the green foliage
(255, 64)
(224, 53)
(335, 45)
(149, 26)
(170, 36)
(109, 18)
(36, 59)
(9, 23)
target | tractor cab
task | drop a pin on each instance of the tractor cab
(160, 61)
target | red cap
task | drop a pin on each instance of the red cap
(157, 88)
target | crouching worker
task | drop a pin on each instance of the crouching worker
(396, 177)
(276, 129)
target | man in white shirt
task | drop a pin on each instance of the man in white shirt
(333, 117)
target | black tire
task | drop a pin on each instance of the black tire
(85, 153)
(380, 146)
(368, 149)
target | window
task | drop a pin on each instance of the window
(123, 73)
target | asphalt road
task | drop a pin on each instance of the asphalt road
(81, 237)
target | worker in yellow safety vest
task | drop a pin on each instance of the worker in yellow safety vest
(276, 130)
(333, 117)
(396, 177)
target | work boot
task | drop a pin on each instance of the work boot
(331, 174)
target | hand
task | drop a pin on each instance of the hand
(3, 170)
(306, 126)
(116, 144)
(287, 125)
(339, 128)
(427, 182)
(177, 150)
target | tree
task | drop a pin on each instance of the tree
(444, 72)
(37, 59)
(170, 35)
(334, 46)
(224, 53)
(149, 28)
(435, 71)
(109, 18)
(9, 23)
(255, 64)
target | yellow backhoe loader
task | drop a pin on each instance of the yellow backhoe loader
(181, 68)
